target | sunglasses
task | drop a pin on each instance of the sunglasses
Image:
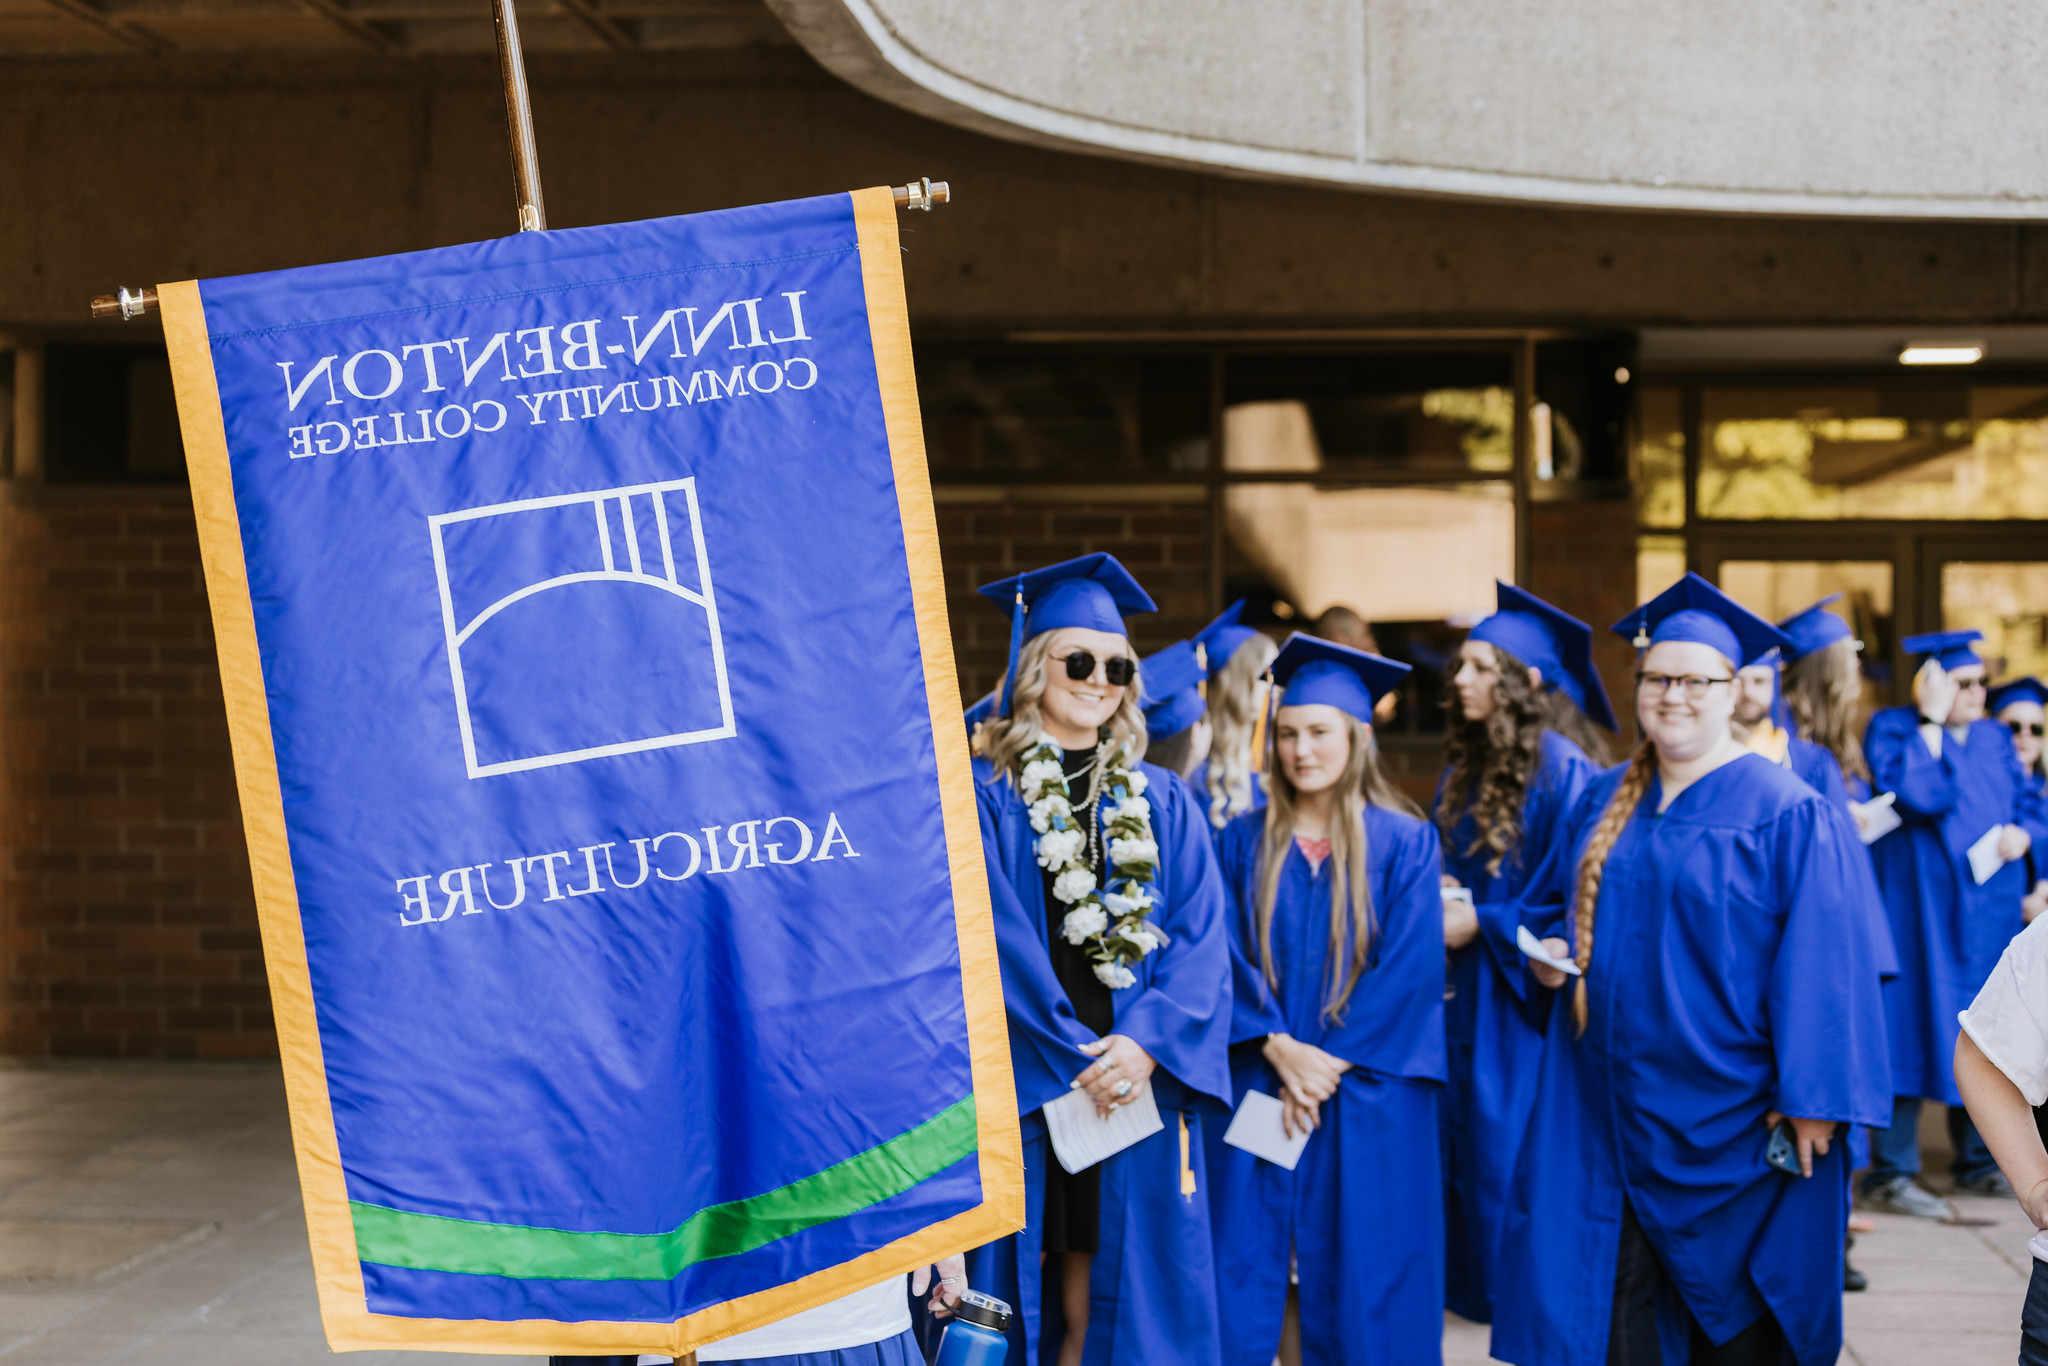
(1969, 684)
(2033, 728)
(1118, 669)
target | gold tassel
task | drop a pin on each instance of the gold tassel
(1187, 1168)
(1259, 724)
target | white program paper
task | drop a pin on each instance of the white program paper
(1081, 1138)
(1984, 856)
(1256, 1128)
(1533, 947)
(1877, 817)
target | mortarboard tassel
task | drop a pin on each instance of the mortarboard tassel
(1259, 719)
(1016, 644)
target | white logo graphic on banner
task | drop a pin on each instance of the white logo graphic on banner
(581, 626)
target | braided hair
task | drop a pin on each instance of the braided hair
(1593, 865)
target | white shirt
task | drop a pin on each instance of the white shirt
(875, 1314)
(2009, 1024)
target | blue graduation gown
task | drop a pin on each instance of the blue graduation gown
(1493, 1037)
(1362, 1213)
(1821, 771)
(1948, 931)
(1153, 1292)
(1732, 975)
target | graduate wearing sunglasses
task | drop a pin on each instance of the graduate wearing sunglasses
(1726, 1009)
(1116, 978)
(2021, 706)
(1958, 783)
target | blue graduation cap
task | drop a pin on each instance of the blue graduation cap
(1221, 638)
(1548, 638)
(1312, 670)
(1694, 610)
(1092, 591)
(1950, 649)
(1173, 692)
(1814, 628)
(2018, 690)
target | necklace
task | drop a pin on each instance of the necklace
(1109, 917)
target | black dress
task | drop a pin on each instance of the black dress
(1073, 1204)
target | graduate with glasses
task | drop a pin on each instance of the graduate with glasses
(1959, 787)
(1337, 1013)
(1116, 978)
(2021, 706)
(1524, 684)
(1679, 1193)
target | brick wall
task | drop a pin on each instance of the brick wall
(127, 925)
(985, 534)
(126, 917)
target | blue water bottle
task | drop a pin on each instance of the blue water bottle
(975, 1336)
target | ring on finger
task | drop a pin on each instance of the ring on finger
(1123, 1088)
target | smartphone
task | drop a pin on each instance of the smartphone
(1782, 1151)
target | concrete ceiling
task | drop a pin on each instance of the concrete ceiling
(36, 29)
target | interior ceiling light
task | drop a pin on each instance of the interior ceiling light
(1941, 353)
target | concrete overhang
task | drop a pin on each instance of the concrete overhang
(1885, 109)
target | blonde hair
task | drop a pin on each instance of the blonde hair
(1824, 691)
(1233, 708)
(1002, 740)
(1351, 914)
(1593, 865)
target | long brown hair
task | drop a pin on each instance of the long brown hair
(1824, 690)
(1593, 865)
(1002, 740)
(1492, 762)
(1351, 915)
(1233, 705)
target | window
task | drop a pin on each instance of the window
(1909, 452)
(1025, 415)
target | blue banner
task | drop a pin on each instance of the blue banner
(597, 735)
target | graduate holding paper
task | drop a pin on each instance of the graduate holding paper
(1729, 988)
(1337, 969)
(1116, 975)
(1511, 778)
(1959, 789)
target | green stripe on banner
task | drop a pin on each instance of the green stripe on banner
(433, 1242)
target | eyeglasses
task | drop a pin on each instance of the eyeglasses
(2033, 728)
(1694, 686)
(1968, 684)
(1118, 669)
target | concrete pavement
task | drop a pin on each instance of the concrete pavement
(150, 1213)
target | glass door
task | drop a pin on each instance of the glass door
(1775, 574)
(1997, 586)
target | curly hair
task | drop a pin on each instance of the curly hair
(1002, 740)
(1593, 866)
(1824, 689)
(1491, 763)
(1362, 784)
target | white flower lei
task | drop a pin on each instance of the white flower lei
(1110, 918)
